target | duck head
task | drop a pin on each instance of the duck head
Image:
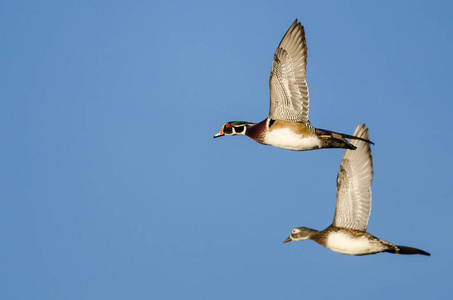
(234, 128)
(300, 234)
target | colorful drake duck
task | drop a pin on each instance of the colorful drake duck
(287, 125)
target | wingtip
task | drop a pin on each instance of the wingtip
(367, 130)
(295, 24)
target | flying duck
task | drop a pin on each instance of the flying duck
(347, 234)
(287, 125)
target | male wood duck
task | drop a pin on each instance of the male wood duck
(347, 234)
(287, 125)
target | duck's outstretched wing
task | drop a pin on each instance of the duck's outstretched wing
(353, 184)
(287, 85)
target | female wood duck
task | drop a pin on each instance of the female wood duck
(347, 234)
(288, 126)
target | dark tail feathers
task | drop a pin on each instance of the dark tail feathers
(408, 250)
(323, 131)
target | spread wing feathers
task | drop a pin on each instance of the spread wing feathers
(287, 85)
(353, 184)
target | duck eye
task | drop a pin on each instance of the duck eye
(294, 231)
(227, 125)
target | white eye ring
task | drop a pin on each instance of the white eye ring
(294, 231)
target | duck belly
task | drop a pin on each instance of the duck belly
(288, 139)
(353, 245)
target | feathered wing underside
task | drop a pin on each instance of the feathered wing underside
(287, 85)
(353, 185)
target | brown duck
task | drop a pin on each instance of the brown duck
(347, 234)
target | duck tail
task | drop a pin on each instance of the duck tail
(407, 250)
(334, 134)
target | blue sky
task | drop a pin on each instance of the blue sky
(112, 186)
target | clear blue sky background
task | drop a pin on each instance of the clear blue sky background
(112, 186)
